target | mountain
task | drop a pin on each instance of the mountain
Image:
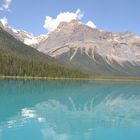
(21, 35)
(94, 50)
(18, 59)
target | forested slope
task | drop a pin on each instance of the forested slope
(18, 59)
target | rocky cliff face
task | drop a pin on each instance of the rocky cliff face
(94, 50)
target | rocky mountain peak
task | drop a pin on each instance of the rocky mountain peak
(62, 24)
(73, 22)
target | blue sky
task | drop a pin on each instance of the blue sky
(111, 15)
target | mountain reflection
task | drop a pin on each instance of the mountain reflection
(78, 110)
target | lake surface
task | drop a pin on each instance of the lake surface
(69, 110)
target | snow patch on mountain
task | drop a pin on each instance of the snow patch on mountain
(24, 36)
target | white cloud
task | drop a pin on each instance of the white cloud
(91, 24)
(6, 5)
(4, 21)
(51, 24)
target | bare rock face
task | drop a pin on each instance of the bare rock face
(94, 50)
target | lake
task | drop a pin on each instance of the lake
(69, 110)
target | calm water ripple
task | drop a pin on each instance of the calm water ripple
(69, 110)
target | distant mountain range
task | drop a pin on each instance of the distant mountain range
(80, 46)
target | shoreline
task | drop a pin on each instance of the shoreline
(98, 78)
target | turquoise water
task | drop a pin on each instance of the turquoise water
(69, 110)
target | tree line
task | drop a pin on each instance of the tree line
(13, 65)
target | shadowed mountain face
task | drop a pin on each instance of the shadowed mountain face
(92, 50)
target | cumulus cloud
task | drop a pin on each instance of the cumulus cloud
(91, 24)
(6, 5)
(4, 21)
(51, 23)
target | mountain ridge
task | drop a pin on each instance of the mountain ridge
(96, 51)
(93, 50)
(18, 59)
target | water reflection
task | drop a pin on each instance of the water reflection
(76, 111)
